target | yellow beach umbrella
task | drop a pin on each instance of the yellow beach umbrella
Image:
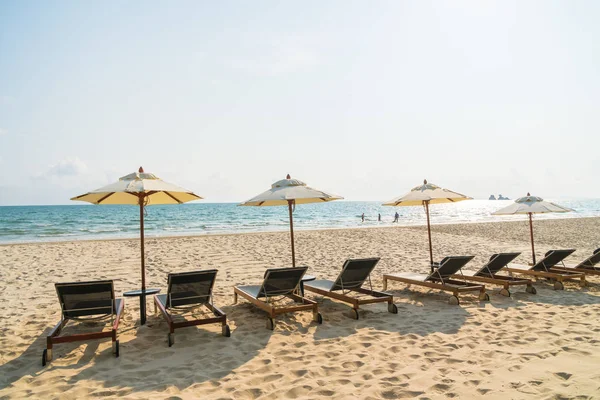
(289, 192)
(531, 205)
(141, 189)
(424, 195)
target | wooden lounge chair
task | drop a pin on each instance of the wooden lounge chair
(278, 283)
(489, 274)
(546, 268)
(587, 266)
(442, 278)
(188, 290)
(351, 279)
(85, 301)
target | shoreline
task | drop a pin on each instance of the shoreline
(296, 230)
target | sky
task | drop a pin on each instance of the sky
(363, 99)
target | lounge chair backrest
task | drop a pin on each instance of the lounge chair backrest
(83, 299)
(441, 262)
(591, 261)
(448, 267)
(281, 281)
(496, 263)
(552, 258)
(187, 288)
(354, 273)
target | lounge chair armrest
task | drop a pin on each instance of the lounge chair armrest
(120, 309)
(57, 328)
(215, 309)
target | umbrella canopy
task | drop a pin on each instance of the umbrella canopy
(427, 192)
(531, 205)
(141, 189)
(129, 188)
(424, 195)
(289, 192)
(286, 190)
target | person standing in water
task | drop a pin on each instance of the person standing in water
(379, 217)
(396, 217)
(363, 217)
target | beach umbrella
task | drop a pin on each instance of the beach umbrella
(424, 195)
(290, 192)
(531, 205)
(140, 189)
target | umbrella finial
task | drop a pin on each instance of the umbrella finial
(288, 176)
(424, 181)
(528, 194)
(141, 170)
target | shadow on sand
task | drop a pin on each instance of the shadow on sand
(420, 319)
(146, 363)
(572, 295)
(201, 354)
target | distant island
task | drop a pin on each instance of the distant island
(500, 197)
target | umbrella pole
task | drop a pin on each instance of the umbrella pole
(531, 233)
(142, 243)
(142, 295)
(292, 233)
(429, 235)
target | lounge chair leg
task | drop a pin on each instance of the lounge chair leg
(155, 308)
(225, 331)
(392, 308)
(483, 296)
(505, 292)
(559, 286)
(453, 300)
(270, 324)
(235, 298)
(530, 289)
(582, 283)
(384, 284)
(115, 348)
(46, 356)
(171, 339)
(318, 318)
(49, 350)
(354, 313)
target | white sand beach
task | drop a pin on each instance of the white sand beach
(542, 346)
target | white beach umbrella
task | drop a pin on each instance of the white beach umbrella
(141, 189)
(424, 195)
(531, 205)
(289, 192)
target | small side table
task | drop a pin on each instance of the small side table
(142, 295)
(305, 278)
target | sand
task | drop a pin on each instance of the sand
(542, 346)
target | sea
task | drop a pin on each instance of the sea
(22, 224)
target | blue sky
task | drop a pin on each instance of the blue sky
(364, 99)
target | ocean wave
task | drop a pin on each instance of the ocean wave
(55, 234)
(47, 222)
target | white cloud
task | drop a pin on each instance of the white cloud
(67, 167)
(3, 132)
(66, 178)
